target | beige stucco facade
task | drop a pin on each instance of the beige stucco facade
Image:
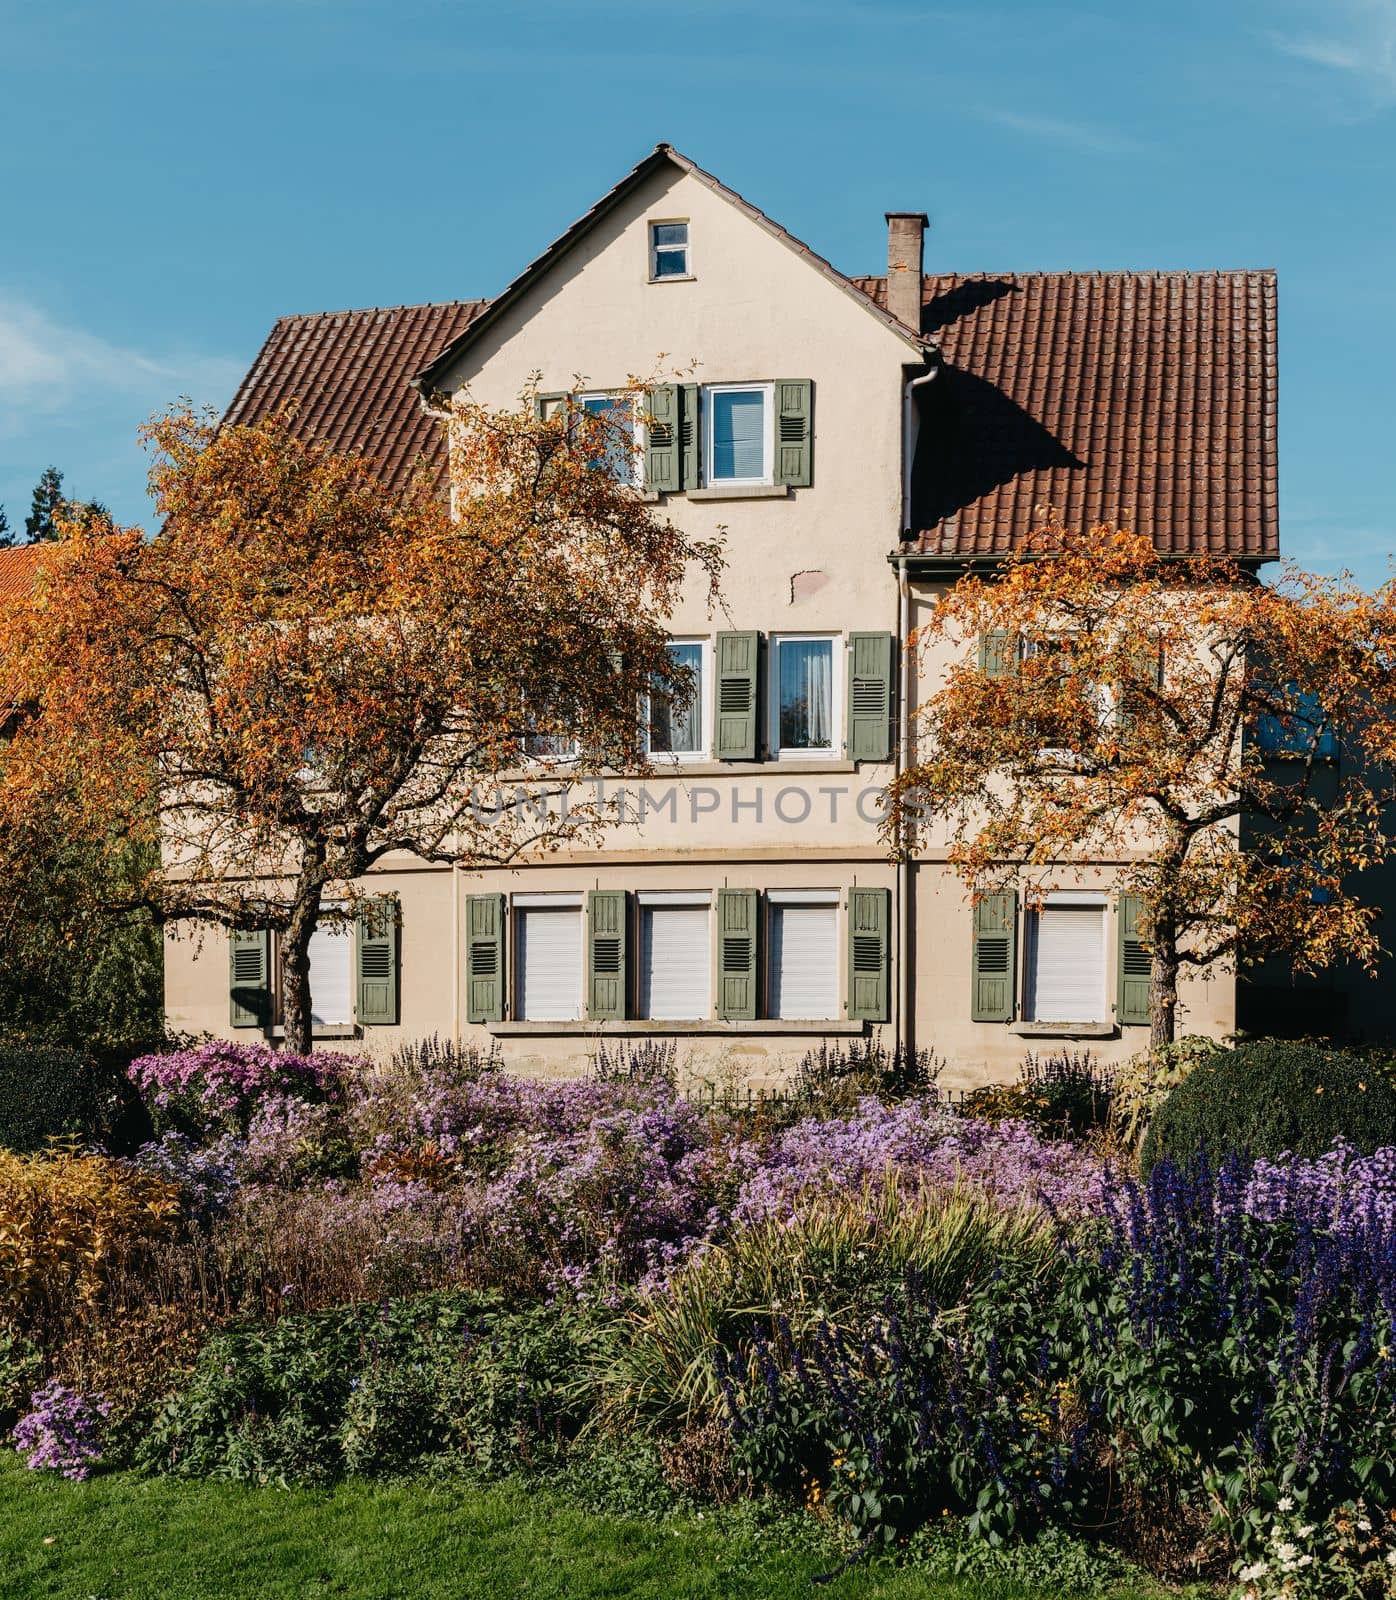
(807, 561)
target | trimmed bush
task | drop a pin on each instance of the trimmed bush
(1264, 1098)
(47, 1092)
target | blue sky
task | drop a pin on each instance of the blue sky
(173, 176)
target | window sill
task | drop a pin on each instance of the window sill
(677, 277)
(1064, 1030)
(742, 491)
(645, 1027)
(338, 1030)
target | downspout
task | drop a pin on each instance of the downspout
(906, 1028)
(455, 952)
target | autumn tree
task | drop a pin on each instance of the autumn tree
(303, 673)
(1229, 742)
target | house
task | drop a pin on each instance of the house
(863, 441)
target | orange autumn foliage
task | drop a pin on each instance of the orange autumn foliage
(1231, 742)
(302, 672)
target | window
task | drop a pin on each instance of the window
(548, 957)
(738, 433)
(546, 745)
(1066, 960)
(804, 696)
(669, 250)
(677, 722)
(615, 430)
(803, 974)
(331, 975)
(675, 956)
(1069, 728)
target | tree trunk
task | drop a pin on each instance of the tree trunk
(1163, 982)
(295, 967)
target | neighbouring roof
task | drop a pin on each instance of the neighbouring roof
(1144, 399)
(348, 374)
(18, 566)
(662, 155)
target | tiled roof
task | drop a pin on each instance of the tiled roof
(349, 371)
(1145, 399)
(18, 565)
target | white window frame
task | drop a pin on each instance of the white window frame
(705, 691)
(836, 677)
(1085, 899)
(670, 222)
(690, 899)
(519, 906)
(768, 392)
(637, 427)
(775, 900)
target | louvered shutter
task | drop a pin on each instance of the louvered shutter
(994, 959)
(734, 734)
(1133, 964)
(794, 432)
(690, 435)
(249, 977)
(376, 952)
(998, 653)
(736, 954)
(1148, 668)
(869, 954)
(607, 930)
(870, 658)
(662, 439)
(484, 957)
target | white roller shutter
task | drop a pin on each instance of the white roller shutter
(804, 974)
(549, 954)
(331, 976)
(675, 962)
(1067, 971)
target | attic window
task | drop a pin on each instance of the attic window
(668, 251)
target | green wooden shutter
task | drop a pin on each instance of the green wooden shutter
(794, 432)
(662, 438)
(484, 957)
(869, 953)
(734, 732)
(607, 937)
(1133, 963)
(998, 653)
(376, 953)
(870, 658)
(249, 977)
(690, 435)
(737, 911)
(1148, 664)
(994, 965)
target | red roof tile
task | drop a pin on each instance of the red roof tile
(348, 372)
(18, 565)
(1146, 399)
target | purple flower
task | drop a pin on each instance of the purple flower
(62, 1431)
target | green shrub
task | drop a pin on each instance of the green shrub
(47, 1092)
(1271, 1096)
(378, 1389)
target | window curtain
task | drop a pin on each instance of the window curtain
(806, 694)
(739, 434)
(676, 724)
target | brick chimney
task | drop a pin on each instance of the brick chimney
(906, 243)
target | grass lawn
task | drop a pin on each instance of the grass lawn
(129, 1538)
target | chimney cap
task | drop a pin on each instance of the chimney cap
(913, 216)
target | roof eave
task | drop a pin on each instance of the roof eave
(932, 565)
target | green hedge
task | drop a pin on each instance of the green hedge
(1271, 1096)
(47, 1091)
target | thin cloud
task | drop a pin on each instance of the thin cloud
(1357, 39)
(1076, 135)
(45, 365)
